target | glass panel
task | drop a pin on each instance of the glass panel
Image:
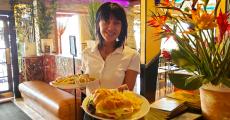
(4, 85)
(2, 42)
(1, 26)
(3, 70)
(68, 26)
(137, 37)
(2, 55)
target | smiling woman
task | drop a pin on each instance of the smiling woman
(110, 61)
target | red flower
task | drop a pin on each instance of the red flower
(166, 3)
(166, 55)
(228, 30)
(222, 21)
(167, 31)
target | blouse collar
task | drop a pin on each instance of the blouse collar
(117, 50)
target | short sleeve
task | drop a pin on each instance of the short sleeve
(135, 62)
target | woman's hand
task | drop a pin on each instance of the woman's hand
(82, 89)
(123, 87)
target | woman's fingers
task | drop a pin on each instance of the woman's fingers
(123, 87)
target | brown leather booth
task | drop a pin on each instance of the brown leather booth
(50, 102)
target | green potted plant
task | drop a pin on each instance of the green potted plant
(203, 51)
(45, 17)
(45, 20)
(92, 9)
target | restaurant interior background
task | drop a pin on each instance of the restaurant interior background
(27, 55)
(35, 40)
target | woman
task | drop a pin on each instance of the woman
(110, 61)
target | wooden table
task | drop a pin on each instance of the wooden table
(152, 115)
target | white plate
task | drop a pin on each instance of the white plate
(137, 115)
(72, 86)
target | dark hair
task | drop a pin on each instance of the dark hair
(103, 13)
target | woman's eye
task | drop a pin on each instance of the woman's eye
(105, 22)
(111, 22)
(117, 22)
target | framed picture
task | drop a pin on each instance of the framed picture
(72, 43)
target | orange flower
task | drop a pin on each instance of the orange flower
(199, 50)
(203, 20)
(157, 21)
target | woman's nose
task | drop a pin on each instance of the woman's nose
(110, 26)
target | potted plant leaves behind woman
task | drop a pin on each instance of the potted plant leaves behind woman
(92, 9)
(45, 20)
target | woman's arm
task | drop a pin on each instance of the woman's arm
(130, 78)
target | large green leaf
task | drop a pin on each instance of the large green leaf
(92, 10)
(184, 81)
(182, 61)
(226, 82)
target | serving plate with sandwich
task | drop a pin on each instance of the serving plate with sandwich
(108, 104)
(73, 81)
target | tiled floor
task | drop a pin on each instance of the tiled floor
(30, 112)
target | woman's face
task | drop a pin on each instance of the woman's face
(110, 29)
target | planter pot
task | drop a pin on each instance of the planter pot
(215, 103)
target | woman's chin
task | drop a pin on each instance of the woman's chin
(110, 40)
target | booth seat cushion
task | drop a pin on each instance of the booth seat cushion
(55, 101)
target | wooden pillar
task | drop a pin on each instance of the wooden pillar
(14, 51)
(150, 49)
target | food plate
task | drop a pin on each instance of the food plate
(73, 81)
(72, 86)
(145, 106)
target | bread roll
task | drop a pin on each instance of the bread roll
(100, 94)
(113, 102)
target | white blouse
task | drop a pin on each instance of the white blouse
(109, 73)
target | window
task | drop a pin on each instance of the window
(68, 25)
(137, 37)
